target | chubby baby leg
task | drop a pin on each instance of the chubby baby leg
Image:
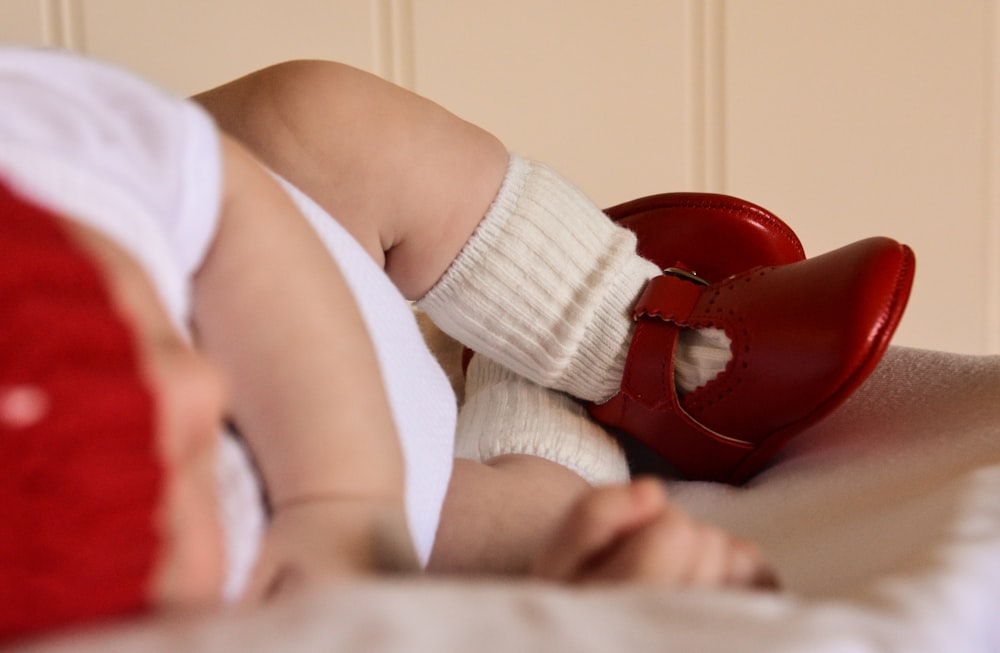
(635, 533)
(408, 179)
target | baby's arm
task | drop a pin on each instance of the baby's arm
(273, 310)
(527, 515)
(498, 515)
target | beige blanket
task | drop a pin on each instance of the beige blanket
(883, 521)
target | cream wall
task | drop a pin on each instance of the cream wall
(846, 117)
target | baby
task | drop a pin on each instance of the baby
(202, 289)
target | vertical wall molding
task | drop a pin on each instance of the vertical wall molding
(694, 95)
(382, 49)
(392, 39)
(63, 24)
(402, 38)
(993, 185)
(704, 88)
(715, 101)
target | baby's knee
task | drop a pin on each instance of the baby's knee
(312, 80)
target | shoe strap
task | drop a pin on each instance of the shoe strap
(664, 305)
(669, 298)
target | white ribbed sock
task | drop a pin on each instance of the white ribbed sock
(702, 354)
(507, 414)
(546, 286)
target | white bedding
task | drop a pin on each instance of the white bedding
(883, 521)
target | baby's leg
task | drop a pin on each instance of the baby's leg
(409, 180)
(413, 182)
(108, 423)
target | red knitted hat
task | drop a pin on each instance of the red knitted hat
(80, 479)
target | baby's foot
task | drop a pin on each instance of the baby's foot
(804, 336)
(634, 533)
(725, 366)
(705, 238)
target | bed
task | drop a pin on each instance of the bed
(883, 522)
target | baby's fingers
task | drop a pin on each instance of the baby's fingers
(747, 567)
(666, 551)
(722, 560)
(676, 550)
(596, 523)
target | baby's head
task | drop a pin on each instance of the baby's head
(108, 421)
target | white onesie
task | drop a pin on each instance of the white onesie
(96, 144)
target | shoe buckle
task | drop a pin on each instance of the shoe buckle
(686, 275)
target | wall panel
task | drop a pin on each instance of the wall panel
(846, 117)
(854, 118)
(596, 89)
(190, 45)
(23, 22)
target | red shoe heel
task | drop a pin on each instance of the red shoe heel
(716, 236)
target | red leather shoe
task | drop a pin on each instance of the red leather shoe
(804, 336)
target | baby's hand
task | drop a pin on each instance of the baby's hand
(634, 533)
(319, 540)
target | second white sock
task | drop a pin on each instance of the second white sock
(507, 414)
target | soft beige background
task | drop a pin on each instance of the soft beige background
(848, 118)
